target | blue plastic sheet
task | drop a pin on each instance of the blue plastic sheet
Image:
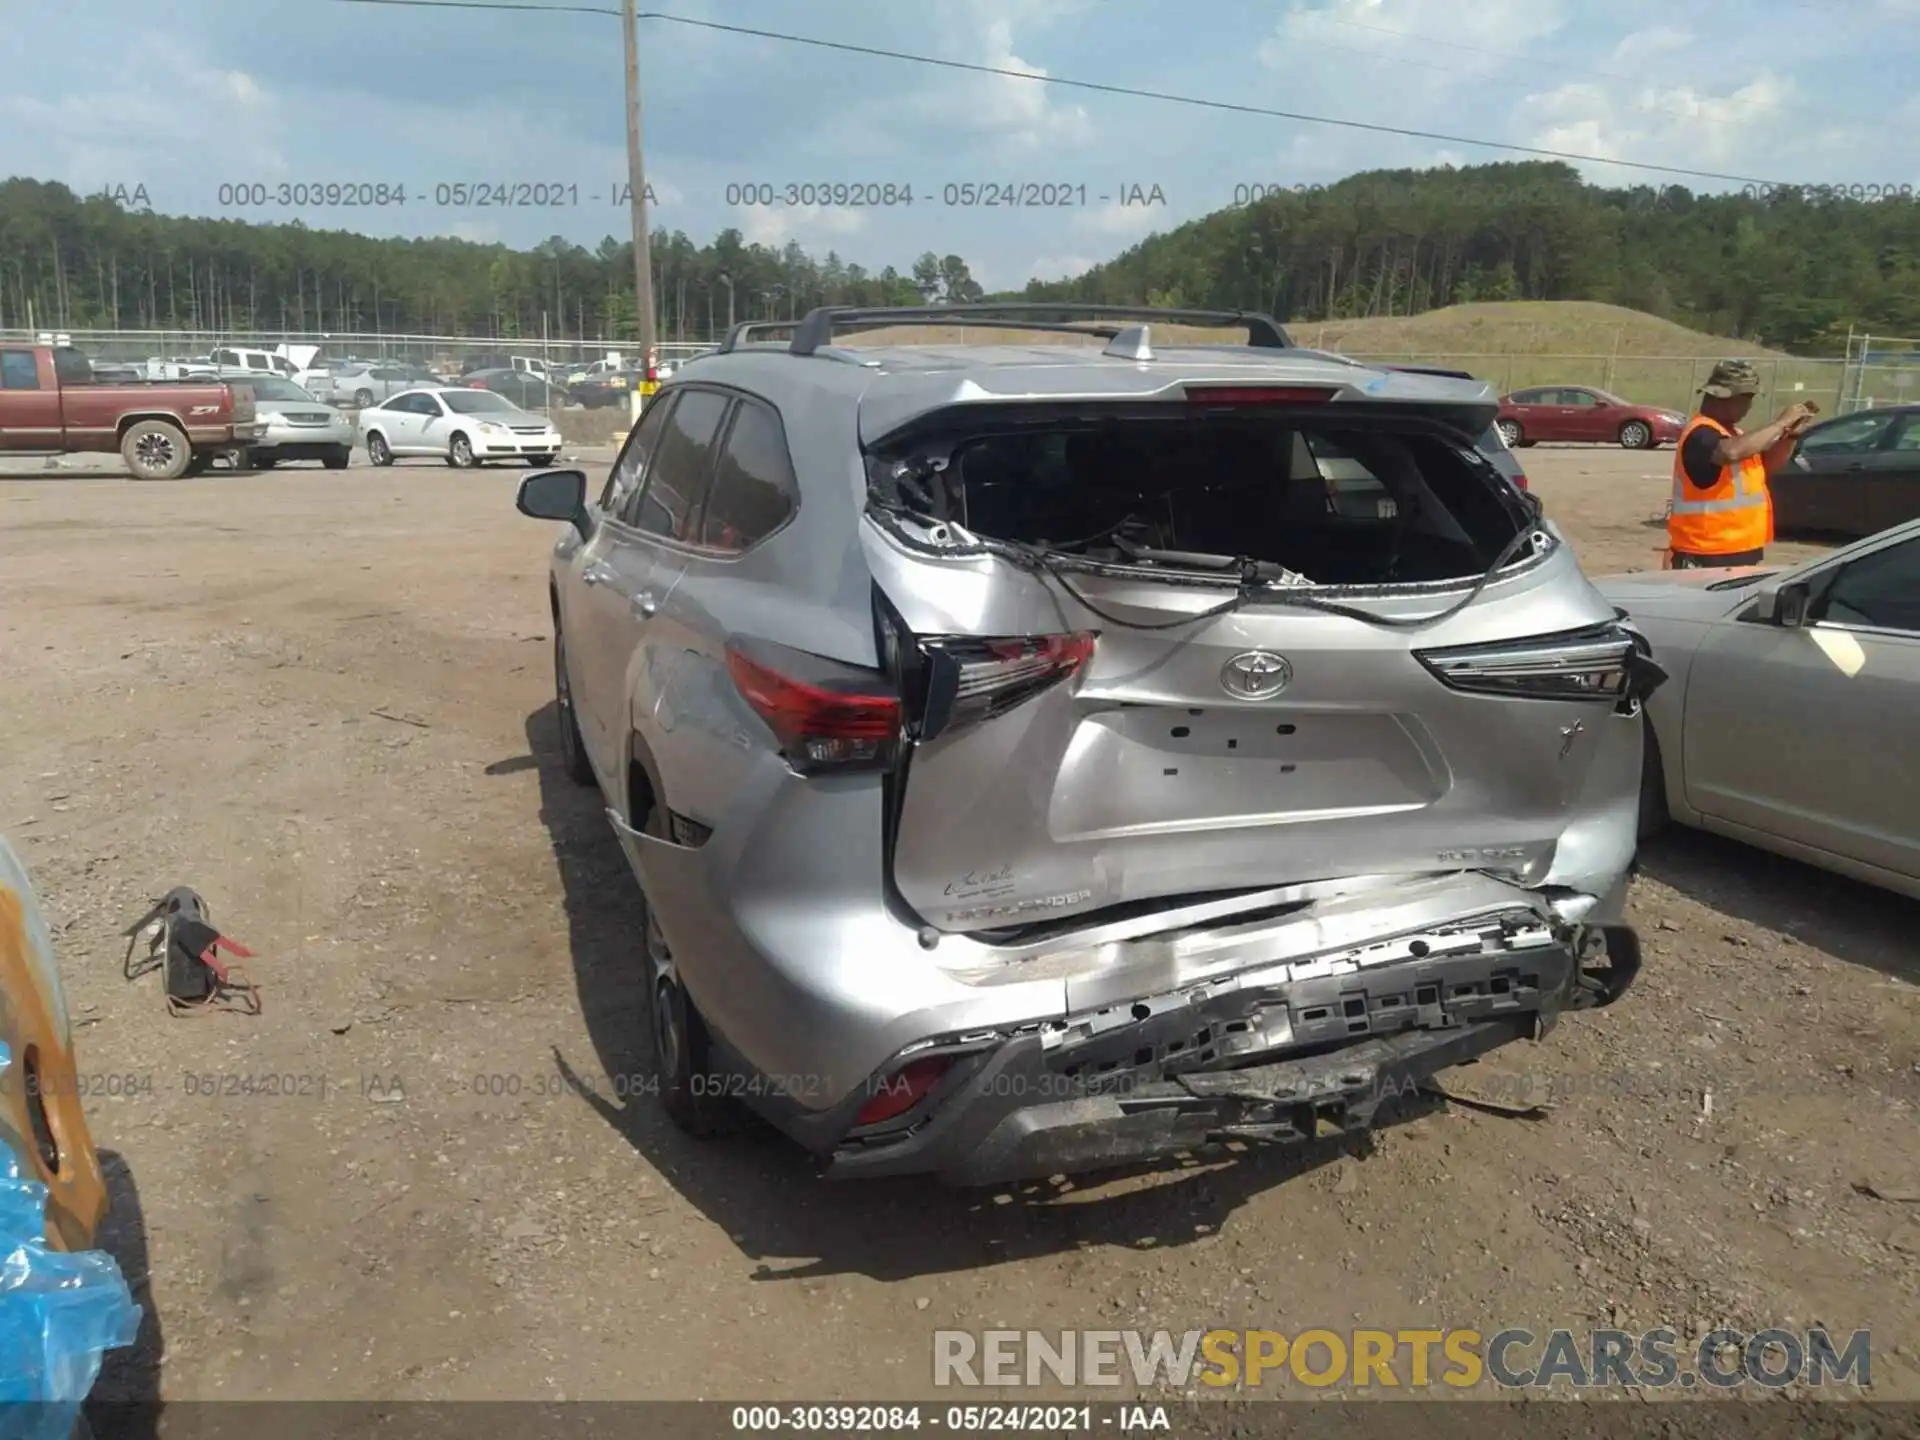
(58, 1312)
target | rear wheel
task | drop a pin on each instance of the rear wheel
(265, 462)
(1636, 435)
(679, 1046)
(1510, 432)
(377, 449)
(362, 399)
(335, 460)
(155, 450)
(691, 1094)
(198, 465)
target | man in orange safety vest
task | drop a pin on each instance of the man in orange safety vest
(1722, 512)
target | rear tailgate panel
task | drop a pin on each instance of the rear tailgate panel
(1142, 777)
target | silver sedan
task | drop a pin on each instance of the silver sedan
(298, 427)
(1792, 714)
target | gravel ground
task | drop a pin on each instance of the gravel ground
(324, 700)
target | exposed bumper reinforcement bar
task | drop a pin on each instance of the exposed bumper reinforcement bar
(1138, 1084)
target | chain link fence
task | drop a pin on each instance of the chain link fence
(1881, 372)
(450, 355)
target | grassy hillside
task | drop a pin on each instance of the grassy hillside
(1523, 327)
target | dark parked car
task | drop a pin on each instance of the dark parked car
(1853, 475)
(1578, 413)
(529, 392)
(610, 387)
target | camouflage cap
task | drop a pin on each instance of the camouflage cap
(1732, 377)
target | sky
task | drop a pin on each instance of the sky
(229, 100)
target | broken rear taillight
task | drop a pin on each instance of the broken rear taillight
(825, 716)
(970, 679)
(1607, 662)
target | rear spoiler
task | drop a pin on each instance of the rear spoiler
(890, 416)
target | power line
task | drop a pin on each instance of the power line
(1095, 86)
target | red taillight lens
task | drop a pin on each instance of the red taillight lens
(832, 718)
(973, 679)
(903, 1089)
(1258, 394)
(1520, 480)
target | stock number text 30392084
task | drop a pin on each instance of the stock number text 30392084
(441, 195)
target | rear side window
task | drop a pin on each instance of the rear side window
(631, 467)
(676, 482)
(18, 371)
(754, 492)
(71, 367)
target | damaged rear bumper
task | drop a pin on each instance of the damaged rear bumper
(1285, 1054)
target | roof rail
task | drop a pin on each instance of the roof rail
(741, 333)
(817, 330)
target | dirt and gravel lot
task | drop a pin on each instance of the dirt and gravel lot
(324, 700)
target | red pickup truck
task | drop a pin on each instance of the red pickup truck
(50, 404)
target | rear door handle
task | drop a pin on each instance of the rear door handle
(644, 604)
(598, 573)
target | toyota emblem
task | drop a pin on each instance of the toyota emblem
(1256, 675)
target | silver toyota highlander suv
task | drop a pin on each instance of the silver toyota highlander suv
(1043, 757)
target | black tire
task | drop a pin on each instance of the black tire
(679, 1046)
(1636, 435)
(201, 462)
(362, 399)
(694, 1098)
(1654, 816)
(460, 453)
(573, 749)
(539, 462)
(155, 450)
(265, 462)
(1511, 432)
(378, 451)
(338, 460)
(240, 458)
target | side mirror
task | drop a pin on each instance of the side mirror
(1783, 605)
(557, 495)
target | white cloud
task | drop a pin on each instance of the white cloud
(244, 89)
(115, 134)
(811, 225)
(1124, 223)
(1060, 267)
(1621, 122)
(1658, 40)
(1406, 31)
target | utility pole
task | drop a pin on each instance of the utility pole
(637, 183)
